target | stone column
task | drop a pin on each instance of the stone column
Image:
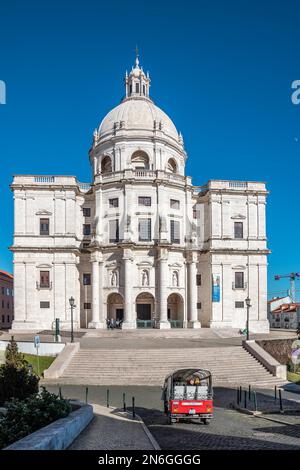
(163, 290)
(192, 289)
(97, 320)
(129, 322)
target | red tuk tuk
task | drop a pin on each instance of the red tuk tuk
(188, 394)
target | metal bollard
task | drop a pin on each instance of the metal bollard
(241, 393)
(255, 401)
(275, 392)
(59, 392)
(280, 402)
(133, 407)
(245, 399)
(238, 395)
(249, 393)
(124, 402)
(107, 398)
(86, 394)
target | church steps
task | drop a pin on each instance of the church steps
(230, 366)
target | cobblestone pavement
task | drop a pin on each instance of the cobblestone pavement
(229, 429)
(112, 430)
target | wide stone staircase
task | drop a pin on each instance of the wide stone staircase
(230, 366)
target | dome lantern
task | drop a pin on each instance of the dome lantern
(137, 83)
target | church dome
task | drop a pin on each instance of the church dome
(137, 113)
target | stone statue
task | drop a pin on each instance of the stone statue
(175, 279)
(113, 280)
(145, 278)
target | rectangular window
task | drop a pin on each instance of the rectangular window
(114, 202)
(145, 230)
(239, 304)
(86, 229)
(198, 279)
(3, 319)
(137, 87)
(2, 303)
(198, 305)
(2, 290)
(86, 212)
(113, 231)
(8, 318)
(87, 306)
(175, 231)
(239, 280)
(174, 204)
(44, 304)
(7, 291)
(44, 279)
(44, 226)
(238, 230)
(86, 279)
(144, 201)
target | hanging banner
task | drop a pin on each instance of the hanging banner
(216, 288)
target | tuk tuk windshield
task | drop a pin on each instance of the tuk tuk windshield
(191, 384)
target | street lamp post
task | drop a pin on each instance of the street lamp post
(72, 305)
(248, 304)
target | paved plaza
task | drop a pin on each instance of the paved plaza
(229, 429)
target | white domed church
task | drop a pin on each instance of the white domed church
(139, 244)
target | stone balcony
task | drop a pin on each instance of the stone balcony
(49, 180)
(231, 185)
(143, 175)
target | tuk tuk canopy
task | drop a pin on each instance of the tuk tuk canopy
(188, 384)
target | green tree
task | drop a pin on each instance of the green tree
(12, 355)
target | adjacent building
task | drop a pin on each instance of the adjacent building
(140, 243)
(6, 299)
(283, 313)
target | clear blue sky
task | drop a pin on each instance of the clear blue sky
(221, 69)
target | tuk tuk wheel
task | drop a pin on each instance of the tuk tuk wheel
(205, 421)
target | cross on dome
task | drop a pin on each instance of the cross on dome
(137, 83)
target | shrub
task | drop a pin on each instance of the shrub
(27, 416)
(12, 355)
(16, 383)
(16, 379)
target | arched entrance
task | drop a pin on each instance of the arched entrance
(115, 307)
(175, 310)
(144, 310)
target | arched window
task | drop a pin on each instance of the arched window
(106, 165)
(140, 160)
(171, 166)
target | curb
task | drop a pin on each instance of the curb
(245, 411)
(148, 433)
(58, 435)
(259, 414)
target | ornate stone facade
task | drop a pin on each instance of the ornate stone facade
(140, 243)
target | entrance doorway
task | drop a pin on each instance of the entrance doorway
(145, 310)
(119, 314)
(175, 310)
(115, 307)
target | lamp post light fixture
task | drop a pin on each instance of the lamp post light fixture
(72, 305)
(248, 304)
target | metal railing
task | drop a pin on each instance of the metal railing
(176, 323)
(40, 286)
(239, 287)
(144, 323)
